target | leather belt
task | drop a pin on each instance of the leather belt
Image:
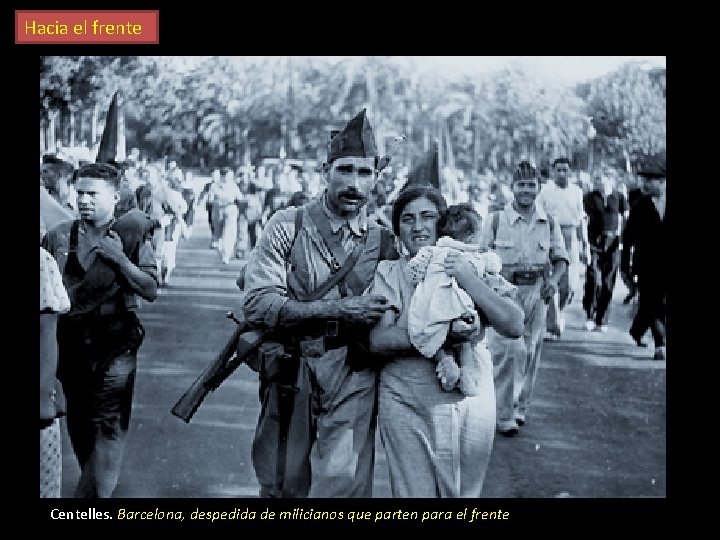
(334, 332)
(523, 276)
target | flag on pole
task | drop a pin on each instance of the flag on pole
(108, 149)
(427, 170)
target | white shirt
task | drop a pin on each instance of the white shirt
(566, 204)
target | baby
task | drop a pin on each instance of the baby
(439, 304)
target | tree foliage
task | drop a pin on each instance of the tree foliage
(628, 111)
(209, 111)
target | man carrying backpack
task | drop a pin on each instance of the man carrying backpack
(532, 249)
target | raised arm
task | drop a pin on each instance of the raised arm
(140, 279)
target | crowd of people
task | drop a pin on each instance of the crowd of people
(389, 307)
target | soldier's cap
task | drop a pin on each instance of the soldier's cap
(356, 139)
(652, 166)
(427, 170)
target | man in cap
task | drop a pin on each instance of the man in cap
(645, 255)
(304, 281)
(530, 243)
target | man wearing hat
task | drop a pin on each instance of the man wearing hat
(645, 254)
(532, 248)
(316, 432)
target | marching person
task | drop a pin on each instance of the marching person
(98, 338)
(531, 246)
(644, 254)
(564, 200)
(316, 432)
(605, 207)
(437, 442)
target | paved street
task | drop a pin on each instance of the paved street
(597, 429)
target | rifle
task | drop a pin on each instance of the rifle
(236, 351)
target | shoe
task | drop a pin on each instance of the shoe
(510, 432)
(589, 325)
(659, 353)
(520, 421)
(551, 337)
(601, 328)
(638, 341)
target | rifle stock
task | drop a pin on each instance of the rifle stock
(236, 351)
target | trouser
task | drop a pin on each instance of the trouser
(316, 437)
(97, 366)
(210, 211)
(169, 254)
(228, 231)
(242, 245)
(651, 309)
(567, 281)
(516, 361)
(600, 278)
(189, 198)
(216, 220)
(252, 233)
(565, 290)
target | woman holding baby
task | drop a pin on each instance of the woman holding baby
(437, 437)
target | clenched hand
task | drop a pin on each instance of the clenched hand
(363, 309)
(459, 267)
(110, 248)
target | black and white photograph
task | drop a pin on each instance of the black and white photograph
(336, 277)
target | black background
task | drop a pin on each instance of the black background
(250, 28)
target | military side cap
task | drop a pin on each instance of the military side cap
(355, 140)
(427, 170)
(652, 166)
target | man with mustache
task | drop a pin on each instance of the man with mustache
(316, 432)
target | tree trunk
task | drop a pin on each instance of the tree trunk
(72, 127)
(52, 138)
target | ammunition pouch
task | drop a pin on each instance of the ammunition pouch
(315, 339)
(334, 334)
